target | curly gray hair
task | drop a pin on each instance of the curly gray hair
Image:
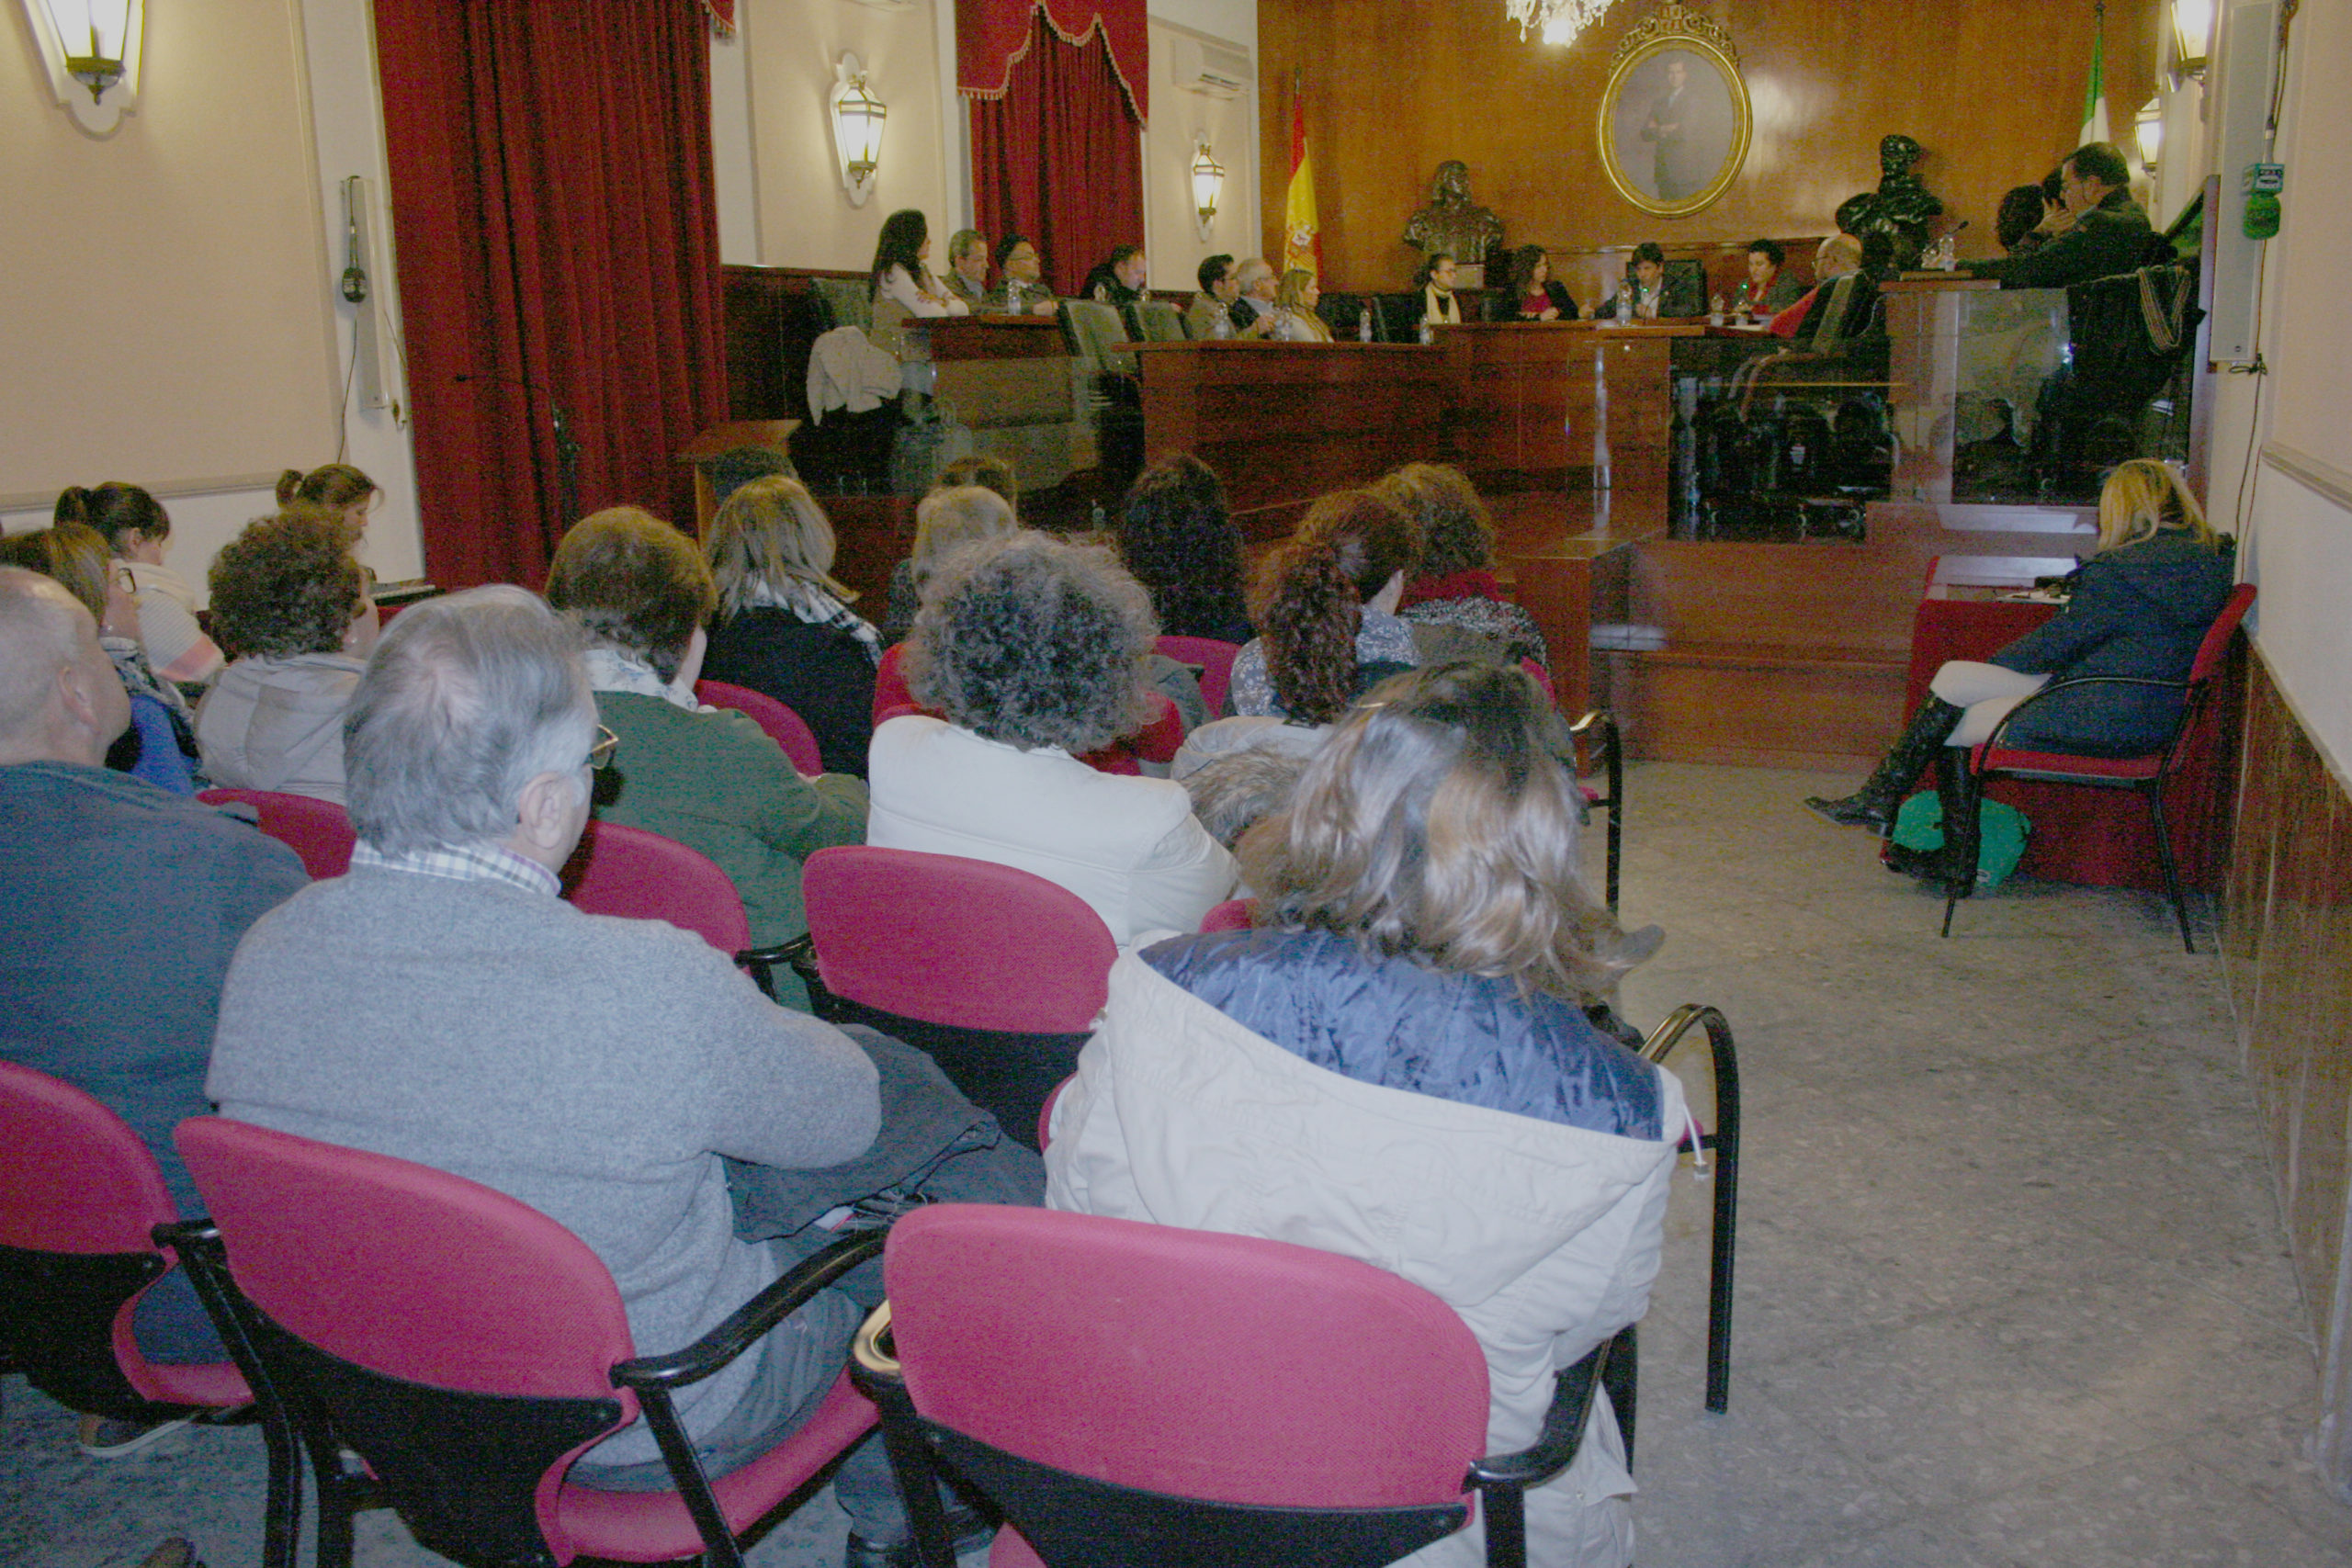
(1034, 642)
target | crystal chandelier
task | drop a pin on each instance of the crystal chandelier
(1555, 21)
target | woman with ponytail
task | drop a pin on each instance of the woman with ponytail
(335, 487)
(135, 529)
(1325, 607)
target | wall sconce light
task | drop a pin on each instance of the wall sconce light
(1208, 183)
(2192, 37)
(2148, 132)
(91, 48)
(857, 129)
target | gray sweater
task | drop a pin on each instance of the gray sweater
(595, 1068)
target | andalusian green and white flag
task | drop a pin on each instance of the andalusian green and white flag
(2095, 95)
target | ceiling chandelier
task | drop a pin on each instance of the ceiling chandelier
(1555, 21)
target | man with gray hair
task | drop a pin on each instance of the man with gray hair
(442, 1004)
(1254, 313)
(119, 906)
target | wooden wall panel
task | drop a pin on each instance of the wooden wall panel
(1992, 90)
(2287, 947)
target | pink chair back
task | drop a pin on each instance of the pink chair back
(408, 1271)
(1215, 660)
(951, 940)
(316, 829)
(1218, 1366)
(1233, 915)
(1543, 678)
(786, 728)
(644, 876)
(2216, 645)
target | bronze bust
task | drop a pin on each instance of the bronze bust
(1451, 224)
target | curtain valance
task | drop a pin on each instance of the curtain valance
(991, 37)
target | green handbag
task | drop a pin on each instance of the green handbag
(2000, 844)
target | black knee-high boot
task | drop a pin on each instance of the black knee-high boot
(1872, 805)
(1952, 867)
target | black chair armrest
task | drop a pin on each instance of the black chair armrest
(1564, 1423)
(800, 952)
(2073, 682)
(751, 1322)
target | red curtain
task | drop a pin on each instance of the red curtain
(557, 236)
(1058, 157)
(991, 34)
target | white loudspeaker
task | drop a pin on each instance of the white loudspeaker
(2245, 52)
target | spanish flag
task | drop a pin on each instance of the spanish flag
(1302, 243)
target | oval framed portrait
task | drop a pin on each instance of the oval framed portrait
(1674, 116)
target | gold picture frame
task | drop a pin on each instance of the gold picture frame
(1675, 119)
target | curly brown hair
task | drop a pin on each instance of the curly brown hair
(1308, 602)
(288, 585)
(1457, 531)
(630, 580)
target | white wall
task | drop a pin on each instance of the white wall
(1172, 239)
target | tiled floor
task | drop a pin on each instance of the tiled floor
(2012, 1289)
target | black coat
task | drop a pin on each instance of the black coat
(2141, 610)
(1502, 305)
(821, 673)
(2112, 237)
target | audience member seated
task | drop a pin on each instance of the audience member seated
(900, 274)
(1174, 536)
(138, 530)
(706, 778)
(1435, 281)
(1533, 295)
(1655, 295)
(2017, 225)
(785, 627)
(159, 746)
(951, 516)
(1210, 313)
(1023, 282)
(1404, 1037)
(967, 267)
(441, 1004)
(292, 610)
(337, 487)
(1034, 651)
(2109, 233)
(2140, 608)
(1325, 605)
(1832, 259)
(1818, 330)
(1769, 290)
(1456, 589)
(1117, 279)
(1254, 302)
(1294, 319)
(124, 905)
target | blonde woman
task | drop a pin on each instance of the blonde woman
(2139, 608)
(784, 625)
(1397, 1064)
(1295, 320)
(945, 520)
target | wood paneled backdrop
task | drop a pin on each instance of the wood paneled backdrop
(1992, 88)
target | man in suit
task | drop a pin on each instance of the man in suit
(2108, 234)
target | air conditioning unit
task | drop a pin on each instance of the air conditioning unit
(1218, 70)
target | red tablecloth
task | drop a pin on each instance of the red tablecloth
(2097, 836)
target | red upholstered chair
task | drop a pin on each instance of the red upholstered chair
(80, 1200)
(786, 728)
(1233, 915)
(1215, 660)
(1224, 1398)
(1724, 1141)
(316, 829)
(466, 1349)
(640, 876)
(1154, 743)
(996, 973)
(2147, 775)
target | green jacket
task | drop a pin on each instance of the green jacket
(716, 783)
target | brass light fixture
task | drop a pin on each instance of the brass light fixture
(2148, 133)
(1208, 183)
(91, 47)
(2192, 36)
(858, 118)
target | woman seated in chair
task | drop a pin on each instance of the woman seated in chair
(709, 778)
(2140, 607)
(1175, 534)
(785, 627)
(1345, 566)
(1456, 586)
(1034, 651)
(1397, 1063)
(291, 607)
(1296, 319)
